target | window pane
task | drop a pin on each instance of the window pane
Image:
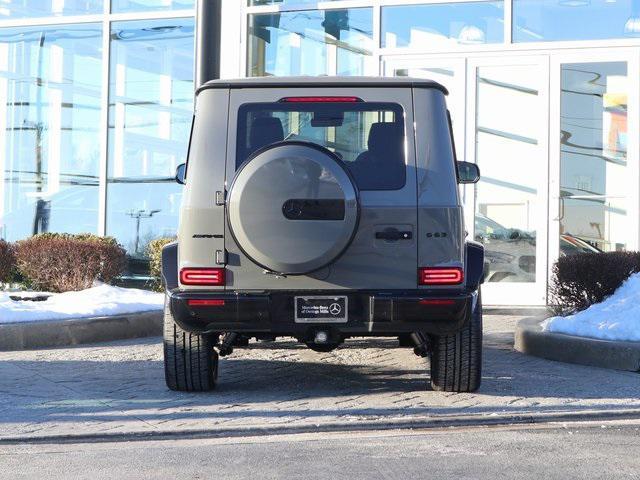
(151, 91)
(311, 42)
(425, 26)
(50, 90)
(507, 148)
(47, 8)
(118, 6)
(546, 20)
(594, 174)
(367, 137)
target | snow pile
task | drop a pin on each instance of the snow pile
(616, 318)
(93, 302)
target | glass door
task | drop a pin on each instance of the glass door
(508, 139)
(594, 155)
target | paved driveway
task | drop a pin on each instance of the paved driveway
(119, 388)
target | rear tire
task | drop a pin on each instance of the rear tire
(190, 362)
(456, 360)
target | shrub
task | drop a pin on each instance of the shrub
(154, 251)
(579, 281)
(7, 262)
(61, 262)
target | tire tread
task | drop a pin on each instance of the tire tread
(190, 362)
(456, 360)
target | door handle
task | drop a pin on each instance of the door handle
(393, 235)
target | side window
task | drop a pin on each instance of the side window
(368, 137)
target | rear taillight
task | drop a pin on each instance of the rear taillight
(205, 302)
(202, 276)
(440, 276)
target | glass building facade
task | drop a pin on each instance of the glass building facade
(544, 95)
(96, 104)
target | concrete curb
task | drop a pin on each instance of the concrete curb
(59, 333)
(530, 339)
(435, 422)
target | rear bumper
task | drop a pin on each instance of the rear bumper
(370, 312)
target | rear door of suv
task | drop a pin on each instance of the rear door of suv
(376, 142)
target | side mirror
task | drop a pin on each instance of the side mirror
(468, 172)
(181, 170)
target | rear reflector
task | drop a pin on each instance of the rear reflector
(440, 276)
(202, 276)
(321, 99)
(201, 302)
(442, 302)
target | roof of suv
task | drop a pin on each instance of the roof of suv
(306, 82)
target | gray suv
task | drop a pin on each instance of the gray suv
(322, 209)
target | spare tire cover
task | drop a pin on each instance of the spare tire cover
(293, 207)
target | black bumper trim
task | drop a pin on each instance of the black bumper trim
(371, 313)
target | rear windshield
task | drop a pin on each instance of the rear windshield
(367, 137)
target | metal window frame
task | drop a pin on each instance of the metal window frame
(236, 65)
(105, 19)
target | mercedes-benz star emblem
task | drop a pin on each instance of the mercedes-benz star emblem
(335, 309)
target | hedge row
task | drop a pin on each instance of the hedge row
(154, 251)
(59, 262)
(64, 262)
(581, 280)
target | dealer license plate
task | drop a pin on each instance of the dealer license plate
(321, 309)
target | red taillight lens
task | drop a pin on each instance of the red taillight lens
(202, 302)
(440, 276)
(321, 99)
(202, 276)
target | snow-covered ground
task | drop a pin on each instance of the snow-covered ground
(93, 302)
(616, 318)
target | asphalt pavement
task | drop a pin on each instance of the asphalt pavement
(571, 451)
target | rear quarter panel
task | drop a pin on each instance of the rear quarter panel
(201, 230)
(440, 219)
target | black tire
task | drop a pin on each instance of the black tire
(190, 362)
(456, 360)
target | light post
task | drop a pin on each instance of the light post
(138, 214)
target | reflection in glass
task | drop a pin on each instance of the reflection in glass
(50, 91)
(446, 73)
(151, 90)
(426, 26)
(594, 178)
(119, 6)
(48, 8)
(284, 4)
(508, 117)
(553, 20)
(311, 42)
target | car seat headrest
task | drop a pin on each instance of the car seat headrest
(385, 137)
(265, 131)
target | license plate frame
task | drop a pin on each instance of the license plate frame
(321, 309)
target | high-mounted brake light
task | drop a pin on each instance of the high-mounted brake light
(440, 276)
(320, 99)
(202, 276)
